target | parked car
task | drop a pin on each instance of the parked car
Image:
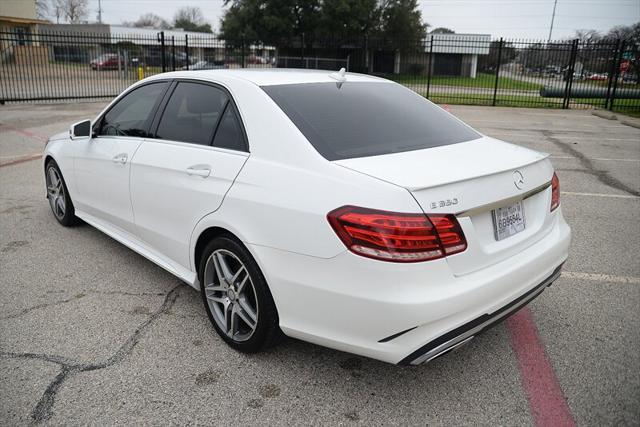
(599, 77)
(206, 65)
(107, 61)
(340, 209)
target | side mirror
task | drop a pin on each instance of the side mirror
(80, 129)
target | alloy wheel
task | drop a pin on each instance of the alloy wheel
(231, 295)
(55, 193)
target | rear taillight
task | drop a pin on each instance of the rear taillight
(397, 237)
(555, 192)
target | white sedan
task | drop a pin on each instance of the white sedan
(337, 208)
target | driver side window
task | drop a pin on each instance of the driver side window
(132, 115)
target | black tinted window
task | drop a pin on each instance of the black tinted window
(132, 115)
(192, 113)
(229, 134)
(360, 119)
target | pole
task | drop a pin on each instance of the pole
(162, 56)
(570, 70)
(617, 75)
(429, 66)
(302, 48)
(612, 72)
(186, 48)
(100, 11)
(173, 53)
(495, 85)
(553, 17)
(242, 52)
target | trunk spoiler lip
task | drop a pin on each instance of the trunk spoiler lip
(541, 157)
(502, 202)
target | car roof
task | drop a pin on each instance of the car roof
(269, 77)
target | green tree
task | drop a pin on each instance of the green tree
(270, 21)
(402, 22)
(442, 30)
(349, 19)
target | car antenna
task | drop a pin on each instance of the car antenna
(339, 76)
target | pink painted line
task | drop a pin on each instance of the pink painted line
(547, 402)
(21, 160)
(27, 133)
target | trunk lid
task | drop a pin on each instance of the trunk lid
(471, 179)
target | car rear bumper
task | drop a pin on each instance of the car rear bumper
(403, 313)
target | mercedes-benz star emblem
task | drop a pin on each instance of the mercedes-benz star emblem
(518, 179)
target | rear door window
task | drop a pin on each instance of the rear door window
(192, 113)
(360, 119)
(229, 134)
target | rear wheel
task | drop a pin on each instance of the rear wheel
(58, 195)
(236, 296)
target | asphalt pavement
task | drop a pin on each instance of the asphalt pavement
(92, 333)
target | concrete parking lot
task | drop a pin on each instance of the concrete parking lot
(92, 333)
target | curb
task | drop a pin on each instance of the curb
(603, 114)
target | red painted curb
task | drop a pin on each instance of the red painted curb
(21, 160)
(547, 402)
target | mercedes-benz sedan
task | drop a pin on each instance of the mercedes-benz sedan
(336, 208)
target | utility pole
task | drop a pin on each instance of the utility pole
(553, 17)
(100, 11)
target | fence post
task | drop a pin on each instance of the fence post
(617, 75)
(612, 71)
(570, 70)
(186, 49)
(162, 57)
(242, 52)
(173, 53)
(495, 85)
(302, 49)
(429, 66)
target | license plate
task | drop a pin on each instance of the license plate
(508, 220)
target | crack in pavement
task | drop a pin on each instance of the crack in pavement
(602, 176)
(43, 411)
(77, 297)
(39, 306)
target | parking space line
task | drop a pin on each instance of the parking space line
(615, 196)
(547, 402)
(599, 277)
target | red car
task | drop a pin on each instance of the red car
(107, 61)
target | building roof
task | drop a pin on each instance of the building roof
(469, 44)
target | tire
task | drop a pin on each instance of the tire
(248, 292)
(58, 196)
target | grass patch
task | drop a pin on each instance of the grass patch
(482, 80)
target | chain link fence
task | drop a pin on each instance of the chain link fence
(446, 68)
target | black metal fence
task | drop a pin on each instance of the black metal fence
(453, 69)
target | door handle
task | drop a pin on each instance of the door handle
(120, 158)
(199, 170)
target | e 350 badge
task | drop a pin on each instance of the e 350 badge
(445, 203)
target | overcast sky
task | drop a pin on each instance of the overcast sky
(506, 18)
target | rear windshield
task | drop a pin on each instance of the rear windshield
(360, 119)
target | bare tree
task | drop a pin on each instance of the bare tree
(72, 11)
(42, 9)
(149, 20)
(191, 19)
(587, 36)
(190, 14)
(57, 10)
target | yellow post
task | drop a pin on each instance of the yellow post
(140, 73)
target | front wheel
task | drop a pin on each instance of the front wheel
(58, 196)
(236, 296)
